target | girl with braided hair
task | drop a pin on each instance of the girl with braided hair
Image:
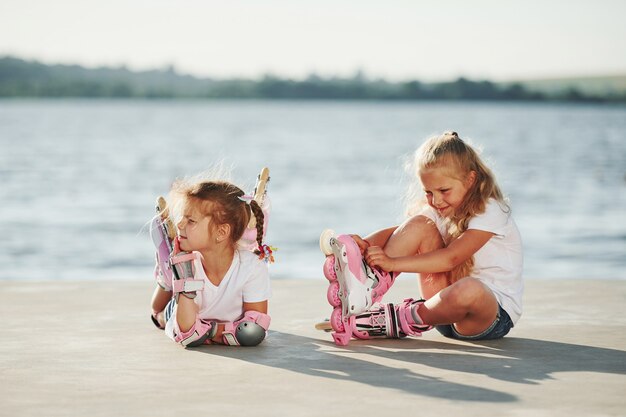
(219, 287)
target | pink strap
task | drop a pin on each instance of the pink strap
(176, 259)
(261, 319)
(187, 285)
(199, 329)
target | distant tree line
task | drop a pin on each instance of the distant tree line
(20, 78)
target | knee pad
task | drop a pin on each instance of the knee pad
(201, 331)
(250, 330)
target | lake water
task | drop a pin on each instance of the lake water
(79, 178)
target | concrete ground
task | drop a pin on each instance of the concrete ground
(89, 349)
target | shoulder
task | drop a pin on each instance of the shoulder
(497, 209)
(493, 219)
(254, 274)
(249, 261)
(246, 256)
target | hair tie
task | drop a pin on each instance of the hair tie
(246, 198)
(266, 253)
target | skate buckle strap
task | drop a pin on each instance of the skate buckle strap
(410, 321)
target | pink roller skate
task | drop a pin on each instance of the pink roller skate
(392, 321)
(354, 286)
(163, 233)
(248, 240)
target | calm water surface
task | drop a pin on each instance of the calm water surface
(79, 178)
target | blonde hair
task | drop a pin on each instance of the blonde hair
(460, 159)
(221, 200)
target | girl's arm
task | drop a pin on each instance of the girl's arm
(441, 260)
(186, 313)
(260, 306)
(186, 309)
(378, 238)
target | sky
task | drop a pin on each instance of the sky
(397, 40)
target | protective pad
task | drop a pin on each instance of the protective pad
(197, 335)
(250, 330)
(184, 270)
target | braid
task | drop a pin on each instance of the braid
(260, 217)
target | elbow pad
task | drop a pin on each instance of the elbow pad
(201, 331)
(250, 330)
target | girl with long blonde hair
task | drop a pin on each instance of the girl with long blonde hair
(462, 242)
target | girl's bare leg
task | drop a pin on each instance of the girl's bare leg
(468, 303)
(418, 235)
(160, 298)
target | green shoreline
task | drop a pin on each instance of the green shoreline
(32, 79)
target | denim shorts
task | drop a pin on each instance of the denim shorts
(498, 329)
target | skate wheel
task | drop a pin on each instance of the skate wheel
(161, 207)
(335, 321)
(332, 294)
(329, 268)
(325, 237)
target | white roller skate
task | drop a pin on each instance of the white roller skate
(354, 286)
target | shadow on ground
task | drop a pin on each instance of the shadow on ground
(518, 360)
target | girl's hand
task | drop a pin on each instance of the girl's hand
(375, 257)
(362, 243)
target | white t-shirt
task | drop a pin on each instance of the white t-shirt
(498, 264)
(247, 280)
